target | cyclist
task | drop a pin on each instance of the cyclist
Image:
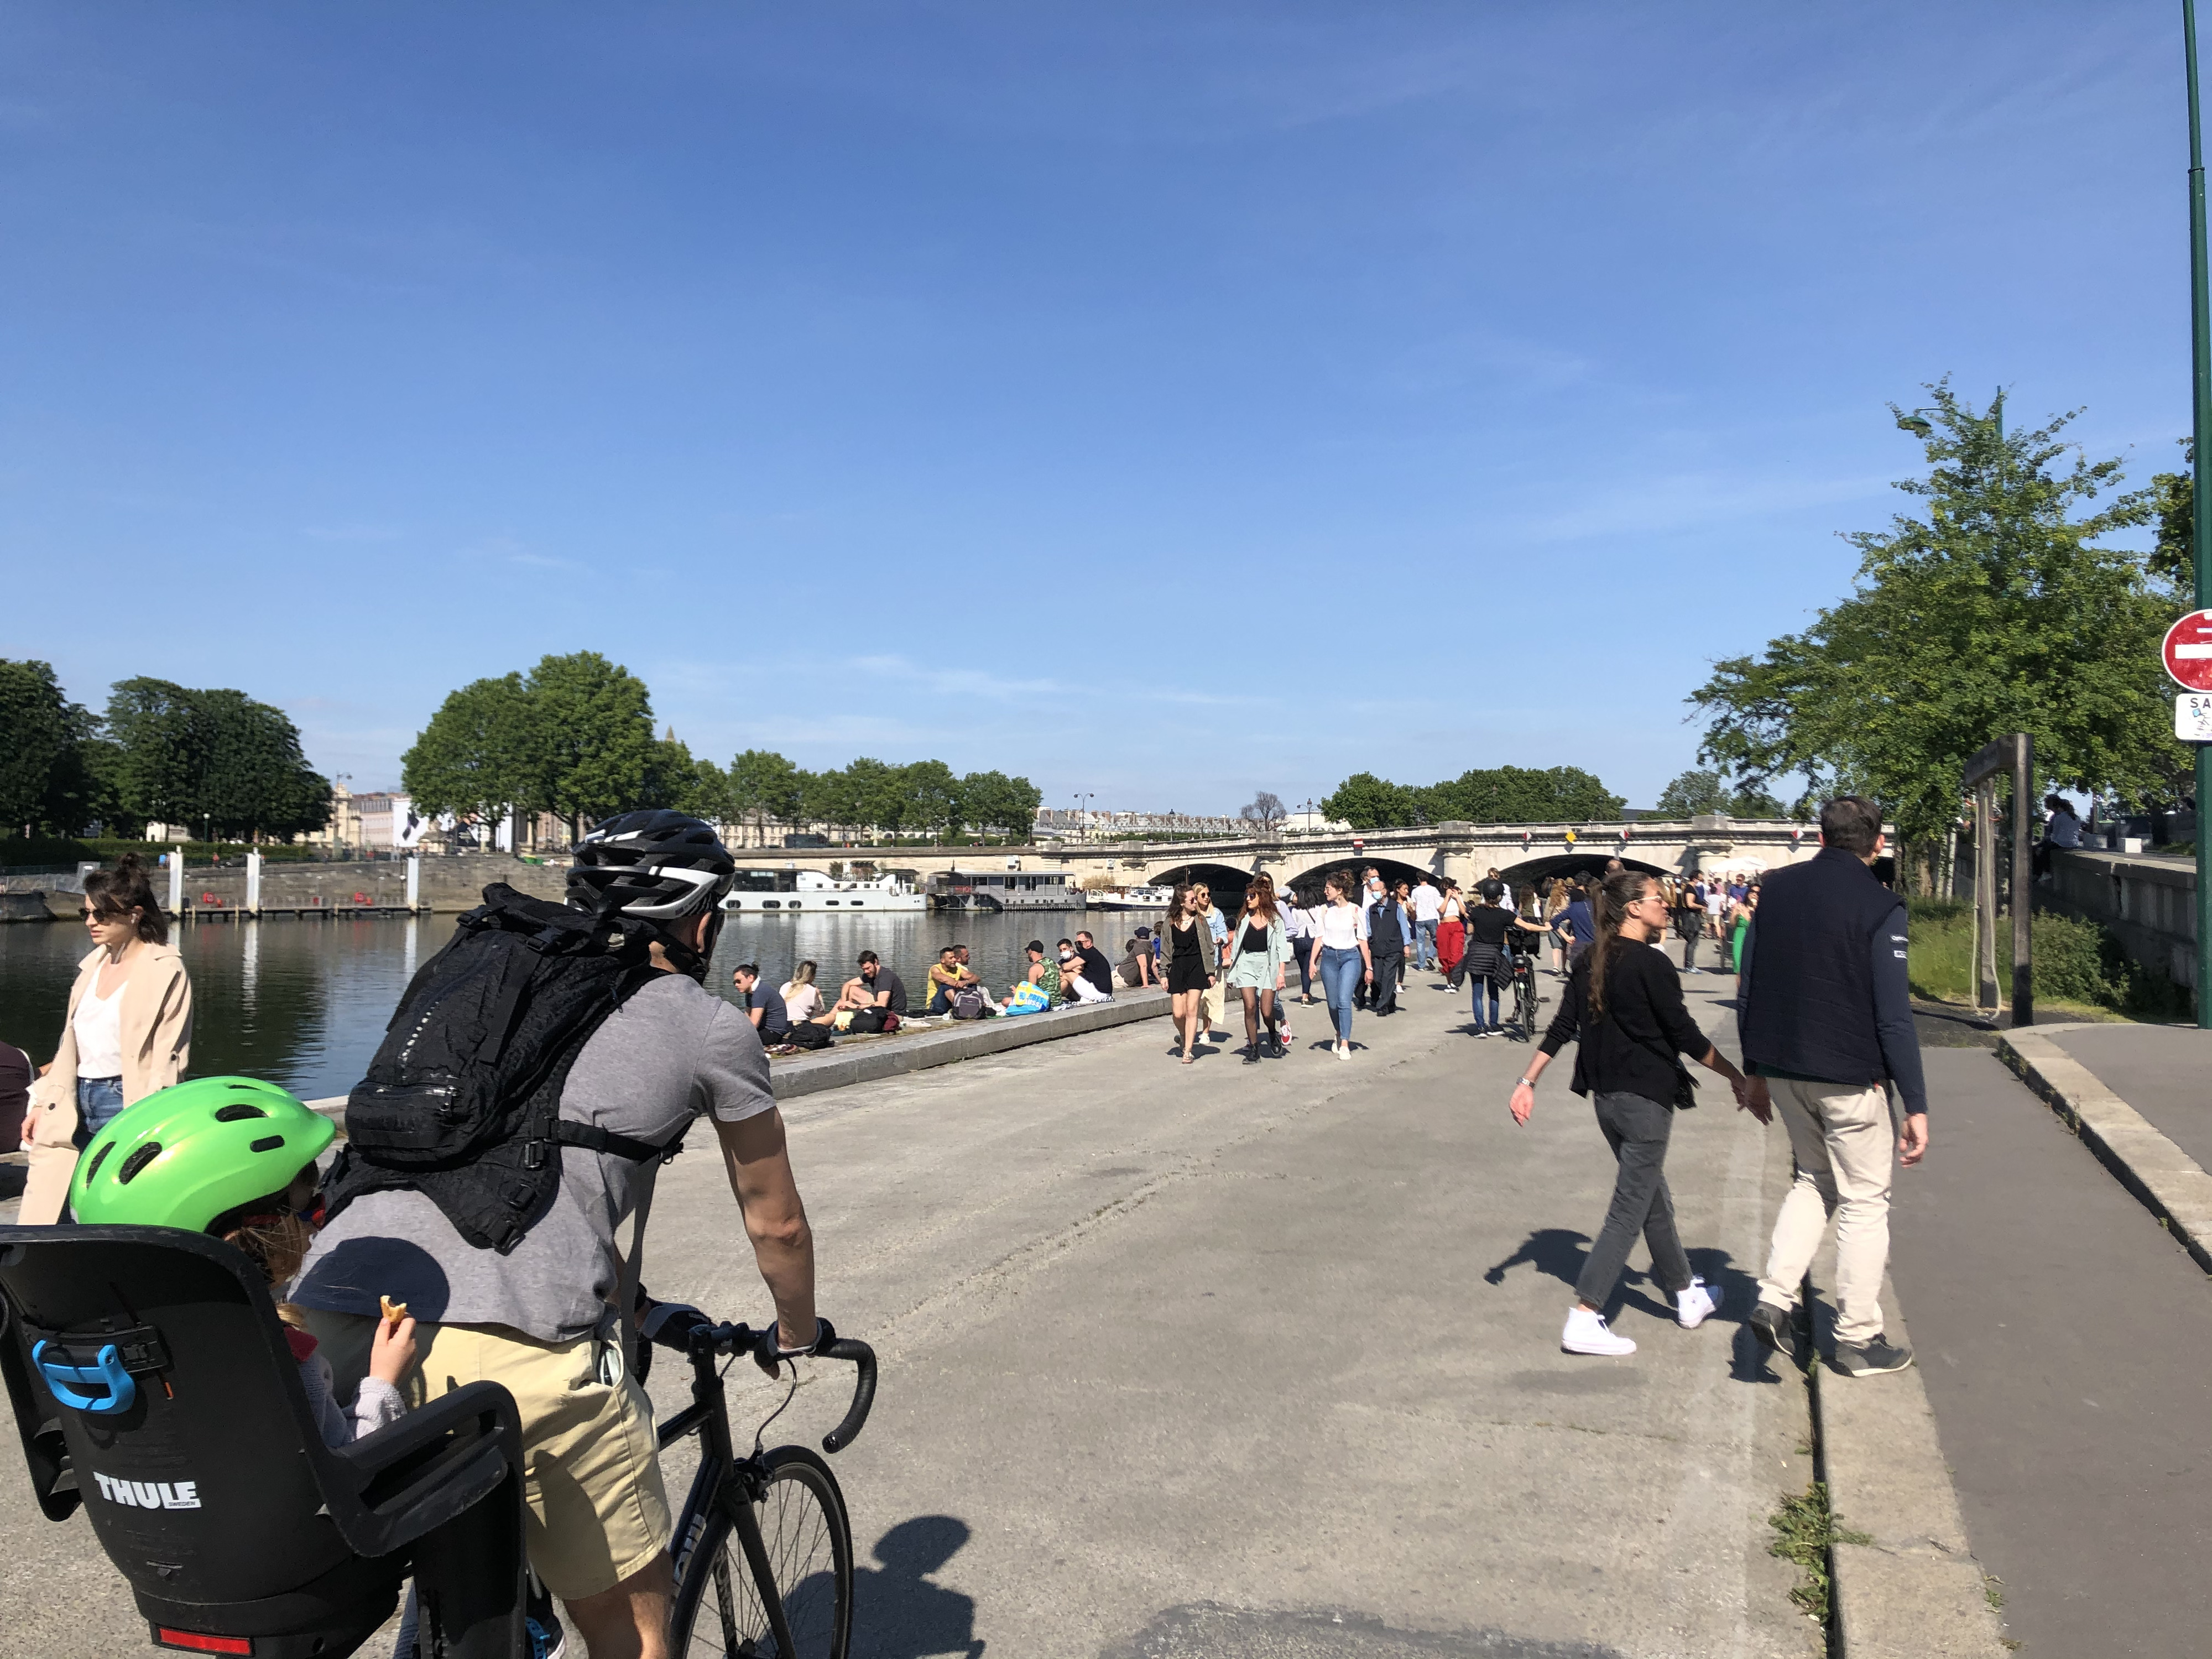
(539, 1319)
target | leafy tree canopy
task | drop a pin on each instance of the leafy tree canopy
(1999, 610)
(1694, 792)
(1501, 794)
(46, 780)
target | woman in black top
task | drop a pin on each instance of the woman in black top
(1624, 1000)
(1191, 964)
(1486, 959)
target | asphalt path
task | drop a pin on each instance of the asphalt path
(2067, 1346)
(1239, 1360)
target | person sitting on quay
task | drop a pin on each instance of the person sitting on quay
(947, 976)
(876, 996)
(1075, 983)
(1097, 972)
(764, 1003)
(1136, 968)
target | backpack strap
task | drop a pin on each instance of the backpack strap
(593, 1139)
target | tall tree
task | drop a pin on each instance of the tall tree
(930, 797)
(165, 744)
(1367, 802)
(1696, 792)
(588, 747)
(2000, 611)
(763, 785)
(257, 781)
(45, 783)
(1264, 809)
(471, 760)
(992, 800)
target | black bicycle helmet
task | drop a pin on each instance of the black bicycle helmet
(1490, 889)
(657, 866)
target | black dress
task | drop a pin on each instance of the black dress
(1187, 949)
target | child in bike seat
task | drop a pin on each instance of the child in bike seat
(235, 1159)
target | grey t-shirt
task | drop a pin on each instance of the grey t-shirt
(673, 1052)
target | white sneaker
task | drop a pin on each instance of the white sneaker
(1344, 1051)
(1586, 1333)
(1694, 1306)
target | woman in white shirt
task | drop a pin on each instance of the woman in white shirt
(1340, 954)
(129, 1032)
(801, 998)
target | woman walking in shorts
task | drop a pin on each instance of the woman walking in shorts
(1340, 954)
(1624, 1001)
(1191, 964)
(1258, 951)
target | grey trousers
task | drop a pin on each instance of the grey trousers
(1636, 1130)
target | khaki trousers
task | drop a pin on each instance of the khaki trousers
(1841, 1136)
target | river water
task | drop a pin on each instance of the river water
(304, 1003)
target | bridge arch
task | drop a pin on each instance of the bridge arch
(1575, 865)
(1227, 881)
(1308, 880)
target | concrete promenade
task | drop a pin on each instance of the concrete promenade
(1207, 1358)
(1231, 1361)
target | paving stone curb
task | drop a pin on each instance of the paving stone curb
(1915, 1590)
(2171, 1184)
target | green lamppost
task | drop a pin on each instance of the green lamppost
(2200, 328)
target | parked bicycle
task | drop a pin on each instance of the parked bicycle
(763, 1552)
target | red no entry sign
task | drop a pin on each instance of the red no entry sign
(2189, 651)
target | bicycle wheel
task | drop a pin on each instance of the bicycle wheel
(719, 1613)
(1528, 1008)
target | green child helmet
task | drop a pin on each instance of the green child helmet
(195, 1151)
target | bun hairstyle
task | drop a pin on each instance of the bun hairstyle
(114, 894)
(1609, 901)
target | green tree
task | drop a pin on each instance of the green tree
(676, 782)
(1998, 612)
(2172, 561)
(929, 797)
(164, 745)
(1692, 794)
(257, 781)
(588, 747)
(46, 781)
(992, 800)
(1518, 794)
(470, 759)
(1367, 802)
(763, 785)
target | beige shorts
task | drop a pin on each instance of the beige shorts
(597, 1511)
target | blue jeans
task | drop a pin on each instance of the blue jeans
(99, 1100)
(1340, 978)
(1425, 944)
(1493, 985)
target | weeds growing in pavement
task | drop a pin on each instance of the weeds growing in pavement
(1805, 1530)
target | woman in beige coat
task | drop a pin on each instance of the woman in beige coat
(129, 1032)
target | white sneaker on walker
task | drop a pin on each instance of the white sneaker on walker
(1694, 1306)
(1586, 1333)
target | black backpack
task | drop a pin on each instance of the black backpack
(462, 1102)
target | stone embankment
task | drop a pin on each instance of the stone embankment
(446, 883)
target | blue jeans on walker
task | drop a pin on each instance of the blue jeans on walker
(1479, 982)
(99, 1100)
(1425, 944)
(1340, 978)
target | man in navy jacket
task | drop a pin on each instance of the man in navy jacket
(1825, 1014)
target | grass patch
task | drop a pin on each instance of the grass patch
(2075, 963)
(1805, 1531)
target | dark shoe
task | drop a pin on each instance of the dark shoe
(1871, 1358)
(1777, 1328)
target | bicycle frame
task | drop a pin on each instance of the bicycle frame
(721, 1472)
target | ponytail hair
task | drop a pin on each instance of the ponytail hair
(1609, 903)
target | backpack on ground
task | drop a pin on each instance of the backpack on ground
(968, 1003)
(462, 1101)
(806, 1034)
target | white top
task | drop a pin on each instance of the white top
(1342, 926)
(802, 1001)
(100, 1032)
(2064, 830)
(1428, 903)
(1297, 923)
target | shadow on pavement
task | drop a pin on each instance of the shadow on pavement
(897, 1612)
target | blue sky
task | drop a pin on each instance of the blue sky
(1163, 401)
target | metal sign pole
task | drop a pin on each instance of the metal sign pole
(2200, 330)
(2023, 876)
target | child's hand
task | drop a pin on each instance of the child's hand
(393, 1349)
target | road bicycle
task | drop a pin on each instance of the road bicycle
(764, 1552)
(1525, 998)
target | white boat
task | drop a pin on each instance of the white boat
(787, 892)
(1132, 898)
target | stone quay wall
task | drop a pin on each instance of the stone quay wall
(2150, 903)
(447, 884)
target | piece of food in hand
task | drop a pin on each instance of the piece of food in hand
(393, 1311)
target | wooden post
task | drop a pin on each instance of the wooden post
(2023, 876)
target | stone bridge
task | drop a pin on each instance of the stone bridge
(1464, 852)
